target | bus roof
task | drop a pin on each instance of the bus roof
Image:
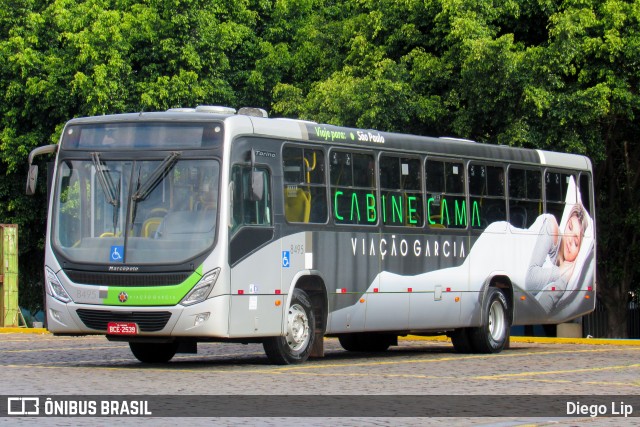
(368, 138)
(300, 130)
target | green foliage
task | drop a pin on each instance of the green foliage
(541, 74)
(71, 58)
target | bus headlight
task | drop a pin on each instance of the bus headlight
(54, 287)
(201, 291)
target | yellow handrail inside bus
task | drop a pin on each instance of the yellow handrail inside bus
(310, 168)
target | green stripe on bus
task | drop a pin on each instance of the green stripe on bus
(151, 295)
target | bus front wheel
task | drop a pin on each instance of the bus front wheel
(295, 346)
(493, 334)
(153, 352)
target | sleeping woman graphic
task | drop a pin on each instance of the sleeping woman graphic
(553, 260)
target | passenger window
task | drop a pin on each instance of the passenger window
(305, 190)
(353, 188)
(446, 201)
(401, 191)
(525, 196)
(487, 191)
(556, 186)
(585, 191)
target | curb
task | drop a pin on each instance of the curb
(542, 340)
(17, 330)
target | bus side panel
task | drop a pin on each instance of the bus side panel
(428, 272)
(541, 294)
(254, 283)
(434, 310)
(350, 279)
(416, 289)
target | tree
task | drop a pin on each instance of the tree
(589, 103)
(539, 74)
(558, 76)
(71, 58)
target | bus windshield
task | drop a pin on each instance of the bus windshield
(135, 211)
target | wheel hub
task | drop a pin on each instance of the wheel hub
(497, 321)
(297, 328)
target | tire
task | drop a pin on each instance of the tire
(366, 342)
(493, 334)
(295, 346)
(153, 352)
(461, 341)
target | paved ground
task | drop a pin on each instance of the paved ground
(41, 364)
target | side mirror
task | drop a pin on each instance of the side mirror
(32, 177)
(257, 181)
(32, 180)
(257, 186)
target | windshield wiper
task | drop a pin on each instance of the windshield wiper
(155, 177)
(105, 181)
(111, 193)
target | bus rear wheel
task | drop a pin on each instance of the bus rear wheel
(153, 352)
(295, 346)
(493, 334)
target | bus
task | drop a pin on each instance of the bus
(168, 229)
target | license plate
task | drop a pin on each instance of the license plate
(122, 328)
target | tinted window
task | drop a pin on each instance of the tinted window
(353, 192)
(525, 201)
(305, 192)
(247, 211)
(401, 195)
(486, 188)
(556, 186)
(446, 202)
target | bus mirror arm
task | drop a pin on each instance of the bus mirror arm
(32, 176)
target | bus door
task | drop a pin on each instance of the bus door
(254, 256)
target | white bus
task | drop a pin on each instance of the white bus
(167, 229)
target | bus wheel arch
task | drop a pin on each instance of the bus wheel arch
(314, 286)
(492, 336)
(305, 323)
(496, 317)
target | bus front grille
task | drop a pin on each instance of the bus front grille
(126, 279)
(147, 321)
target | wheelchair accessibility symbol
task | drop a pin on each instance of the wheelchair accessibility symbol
(286, 259)
(115, 255)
